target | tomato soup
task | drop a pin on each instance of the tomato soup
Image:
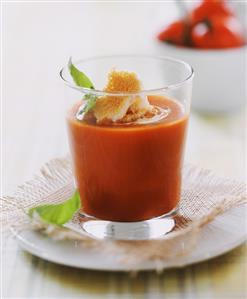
(129, 172)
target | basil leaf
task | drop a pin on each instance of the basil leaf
(91, 100)
(58, 214)
(83, 109)
(79, 77)
(82, 80)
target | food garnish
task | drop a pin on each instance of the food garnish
(57, 214)
(126, 108)
(114, 108)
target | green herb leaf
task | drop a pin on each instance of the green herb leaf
(91, 100)
(82, 80)
(79, 77)
(58, 214)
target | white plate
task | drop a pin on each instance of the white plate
(223, 234)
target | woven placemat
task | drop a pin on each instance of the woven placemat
(204, 196)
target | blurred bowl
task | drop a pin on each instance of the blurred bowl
(220, 76)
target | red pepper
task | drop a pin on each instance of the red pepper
(211, 25)
(217, 33)
(209, 8)
(175, 33)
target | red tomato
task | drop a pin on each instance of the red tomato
(218, 33)
(175, 33)
(209, 8)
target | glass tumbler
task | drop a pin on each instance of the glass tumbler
(129, 175)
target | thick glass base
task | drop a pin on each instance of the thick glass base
(141, 230)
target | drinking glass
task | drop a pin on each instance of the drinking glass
(129, 175)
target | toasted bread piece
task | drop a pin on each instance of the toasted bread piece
(110, 108)
(121, 81)
(121, 108)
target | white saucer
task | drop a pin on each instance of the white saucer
(222, 235)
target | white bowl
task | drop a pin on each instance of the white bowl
(220, 76)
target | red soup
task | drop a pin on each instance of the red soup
(129, 172)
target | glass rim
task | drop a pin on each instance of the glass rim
(142, 92)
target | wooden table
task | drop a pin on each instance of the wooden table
(38, 39)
